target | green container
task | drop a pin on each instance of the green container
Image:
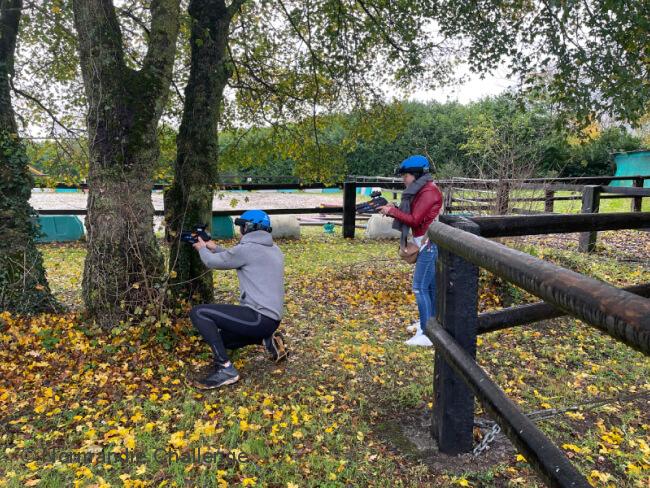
(632, 163)
(222, 228)
(60, 228)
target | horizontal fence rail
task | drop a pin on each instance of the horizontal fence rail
(581, 180)
(536, 199)
(549, 461)
(551, 186)
(516, 225)
(621, 314)
(627, 191)
(534, 312)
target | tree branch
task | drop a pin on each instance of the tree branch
(159, 60)
(388, 39)
(137, 20)
(32, 98)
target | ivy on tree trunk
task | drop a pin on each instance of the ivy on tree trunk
(124, 267)
(23, 284)
(189, 200)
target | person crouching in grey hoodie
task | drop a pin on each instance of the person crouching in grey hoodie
(260, 270)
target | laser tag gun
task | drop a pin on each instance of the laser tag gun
(371, 207)
(192, 236)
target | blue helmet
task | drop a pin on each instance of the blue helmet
(414, 164)
(252, 220)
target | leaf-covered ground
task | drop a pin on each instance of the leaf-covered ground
(73, 399)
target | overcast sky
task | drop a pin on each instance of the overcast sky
(473, 89)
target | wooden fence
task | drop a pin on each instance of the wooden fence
(592, 190)
(464, 247)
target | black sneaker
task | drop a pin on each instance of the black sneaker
(220, 376)
(276, 347)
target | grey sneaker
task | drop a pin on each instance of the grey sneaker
(220, 376)
(276, 347)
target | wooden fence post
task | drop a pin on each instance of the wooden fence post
(503, 193)
(637, 201)
(447, 199)
(349, 209)
(457, 299)
(549, 195)
(590, 204)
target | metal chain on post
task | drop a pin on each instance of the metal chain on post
(485, 442)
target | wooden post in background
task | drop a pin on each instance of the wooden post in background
(590, 204)
(447, 199)
(549, 195)
(637, 201)
(503, 194)
(349, 209)
(456, 311)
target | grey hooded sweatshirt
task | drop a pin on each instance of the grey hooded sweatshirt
(260, 269)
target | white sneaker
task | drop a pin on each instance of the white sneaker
(419, 340)
(413, 328)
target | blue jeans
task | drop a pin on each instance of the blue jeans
(424, 283)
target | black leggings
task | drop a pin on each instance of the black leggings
(231, 327)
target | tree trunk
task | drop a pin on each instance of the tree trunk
(23, 285)
(189, 200)
(124, 267)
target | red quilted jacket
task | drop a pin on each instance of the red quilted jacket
(425, 207)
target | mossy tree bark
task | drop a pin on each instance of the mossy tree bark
(189, 200)
(124, 267)
(23, 284)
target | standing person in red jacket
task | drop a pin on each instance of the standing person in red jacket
(420, 205)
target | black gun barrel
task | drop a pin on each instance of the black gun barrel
(372, 206)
